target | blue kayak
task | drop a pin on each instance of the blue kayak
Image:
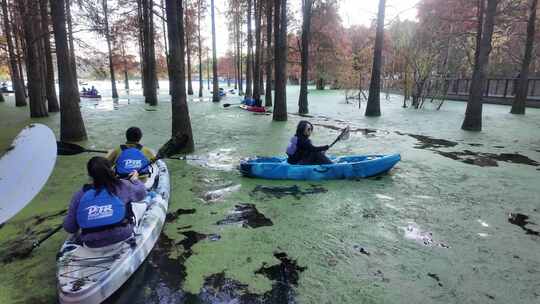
(346, 167)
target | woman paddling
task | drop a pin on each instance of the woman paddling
(301, 151)
(102, 210)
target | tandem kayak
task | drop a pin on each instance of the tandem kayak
(253, 108)
(90, 275)
(346, 167)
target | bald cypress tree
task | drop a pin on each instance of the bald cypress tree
(181, 123)
(71, 122)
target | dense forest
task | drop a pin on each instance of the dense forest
(271, 45)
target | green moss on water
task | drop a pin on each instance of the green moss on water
(320, 231)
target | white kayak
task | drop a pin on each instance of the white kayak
(25, 168)
(90, 275)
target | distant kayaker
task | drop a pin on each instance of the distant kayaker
(102, 210)
(301, 151)
(132, 155)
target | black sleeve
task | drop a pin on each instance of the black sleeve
(308, 146)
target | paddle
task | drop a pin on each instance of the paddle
(345, 134)
(226, 105)
(25, 168)
(64, 148)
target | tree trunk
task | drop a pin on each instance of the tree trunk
(373, 107)
(181, 123)
(208, 69)
(150, 84)
(518, 106)
(200, 48)
(215, 94)
(239, 50)
(72, 58)
(109, 48)
(164, 26)
(235, 46)
(189, 71)
(30, 11)
(124, 56)
(188, 53)
(307, 6)
(50, 87)
(16, 80)
(249, 63)
(140, 19)
(280, 34)
(257, 79)
(269, 65)
(473, 114)
(71, 122)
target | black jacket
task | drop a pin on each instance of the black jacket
(304, 148)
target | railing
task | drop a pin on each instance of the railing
(495, 87)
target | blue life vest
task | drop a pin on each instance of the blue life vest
(132, 159)
(101, 210)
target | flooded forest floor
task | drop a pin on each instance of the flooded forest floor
(456, 221)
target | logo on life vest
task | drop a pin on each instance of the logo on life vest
(98, 212)
(132, 163)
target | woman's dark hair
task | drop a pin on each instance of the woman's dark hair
(133, 134)
(100, 170)
(302, 127)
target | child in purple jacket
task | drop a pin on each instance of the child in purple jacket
(101, 211)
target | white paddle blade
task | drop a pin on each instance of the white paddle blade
(25, 168)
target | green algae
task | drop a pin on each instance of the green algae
(321, 231)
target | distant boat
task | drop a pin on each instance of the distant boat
(83, 83)
(90, 96)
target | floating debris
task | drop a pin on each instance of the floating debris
(172, 216)
(427, 142)
(413, 232)
(361, 249)
(522, 220)
(247, 215)
(436, 278)
(266, 193)
(487, 159)
(219, 194)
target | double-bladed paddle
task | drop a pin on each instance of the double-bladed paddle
(344, 135)
(226, 105)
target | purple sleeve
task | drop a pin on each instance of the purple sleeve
(70, 221)
(136, 190)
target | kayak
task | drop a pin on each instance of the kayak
(253, 108)
(90, 275)
(90, 96)
(346, 167)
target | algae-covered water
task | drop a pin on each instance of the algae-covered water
(453, 222)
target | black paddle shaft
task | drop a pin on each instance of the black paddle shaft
(65, 148)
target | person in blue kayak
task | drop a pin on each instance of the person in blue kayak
(131, 155)
(300, 149)
(101, 211)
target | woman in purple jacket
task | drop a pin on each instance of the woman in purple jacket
(101, 211)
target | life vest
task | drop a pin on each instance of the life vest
(99, 210)
(293, 146)
(132, 159)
